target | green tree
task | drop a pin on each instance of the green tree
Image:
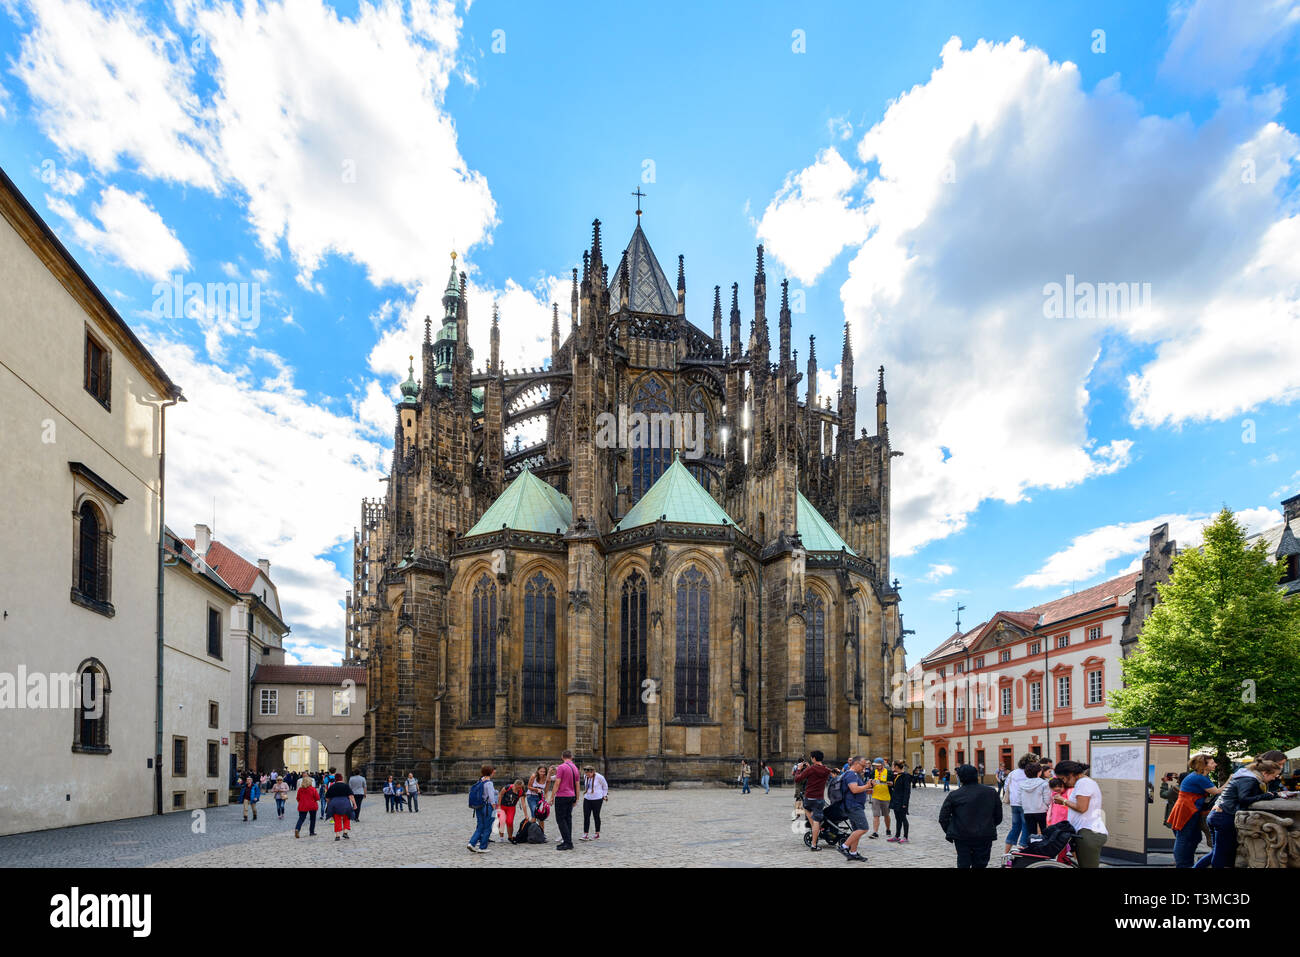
(1219, 656)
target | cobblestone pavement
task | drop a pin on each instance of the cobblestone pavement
(691, 827)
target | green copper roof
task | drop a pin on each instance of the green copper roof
(816, 532)
(679, 498)
(527, 505)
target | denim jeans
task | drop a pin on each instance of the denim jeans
(532, 800)
(1225, 841)
(766, 781)
(744, 784)
(1017, 824)
(414, 800)
(483, 826)
(1186, 842)
(302, 816)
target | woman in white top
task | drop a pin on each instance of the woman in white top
(1084, 812)
(595, 792)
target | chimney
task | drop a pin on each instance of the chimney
(1291, 509)
(264, 565)
(202, 540)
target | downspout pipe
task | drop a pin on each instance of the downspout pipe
(162, 546)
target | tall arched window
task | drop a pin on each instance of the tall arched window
(632, 647)
(649, 463)
(855, 629)
(539, 649)
(744, 649)
(814, 664)
(483, 650)
(92, 575)
(90, 722)
(692, 671)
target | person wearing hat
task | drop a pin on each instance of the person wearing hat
(880, 796)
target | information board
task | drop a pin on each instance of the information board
(1119, 762)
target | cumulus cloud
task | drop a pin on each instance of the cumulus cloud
(1087, 555)
(333, 128)
(110, 87)
(1216, 42)
(937, 572)
(300, 470)
(1000, 176)
(812, 219)
(130, 232)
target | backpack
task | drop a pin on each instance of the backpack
(476, 795)
(509, 797)
(530, 833)
(543, 810)
(834, 790)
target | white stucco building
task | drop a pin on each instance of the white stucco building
(199, 606)
(82, 412)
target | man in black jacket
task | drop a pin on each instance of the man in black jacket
(970, 817)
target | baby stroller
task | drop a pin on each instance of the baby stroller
(835, 828)
(1054, 848)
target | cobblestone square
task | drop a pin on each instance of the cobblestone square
(688, 827)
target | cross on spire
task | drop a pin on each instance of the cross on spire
(639, 196)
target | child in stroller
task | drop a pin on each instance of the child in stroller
(835, 828)
(1053, 848)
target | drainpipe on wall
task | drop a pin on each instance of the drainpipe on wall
(162, 545)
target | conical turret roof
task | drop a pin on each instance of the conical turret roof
(677, 497)
(527, 505)
(649, 290)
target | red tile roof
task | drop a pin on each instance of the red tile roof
(308, 674)
(230, 565)
(1104, 595)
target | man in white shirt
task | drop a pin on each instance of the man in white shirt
(595, 793)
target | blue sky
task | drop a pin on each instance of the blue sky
(923, 172)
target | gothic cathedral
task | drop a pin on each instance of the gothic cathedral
(661, 611)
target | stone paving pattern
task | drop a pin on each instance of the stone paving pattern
(691, 827)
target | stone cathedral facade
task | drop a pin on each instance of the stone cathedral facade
(661, 613)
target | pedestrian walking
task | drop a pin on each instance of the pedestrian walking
(946, 778)
(1085, 813)
(766, 778)
(565, 794)
(900, 797)
(280, 791)
(308, 800)
(744, 776)
(594, 795)
(357, 785)
(482, 801)
(537, 788)
(388, 794)
(249, 795)
(412, 792)
(855, 789)
(970, 817)
(341, 804)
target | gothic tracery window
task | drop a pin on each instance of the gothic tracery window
(649, 463)
(483, 649)
(692, 670)
(814, 663)
(539, 650)
(90, 727)
(632, 647)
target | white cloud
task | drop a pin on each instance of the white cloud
(1088, 554)
(130, 232)
(1001, 174)
(109, 87)
(1217, 41)
(335, 129)
(286, 473)
(937, 572)
(946, 594)
(332, 127)
(811, 219)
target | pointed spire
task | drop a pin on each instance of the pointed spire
(880, 387)
(717, 314)
(758, 271)
(681, 273)
(784, 324)
(494, 359)
(846, 357)
(573, 302)
(595, 242)
(428, 330)
(586, 266)
(555, 329)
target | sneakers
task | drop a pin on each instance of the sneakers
(597, 836)
(874, 835)
(893, 840)
(470, 847)
(854, 856)
(337, 838)
(814, 847)
(347, 835)
(903, 840)
(584, 838)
